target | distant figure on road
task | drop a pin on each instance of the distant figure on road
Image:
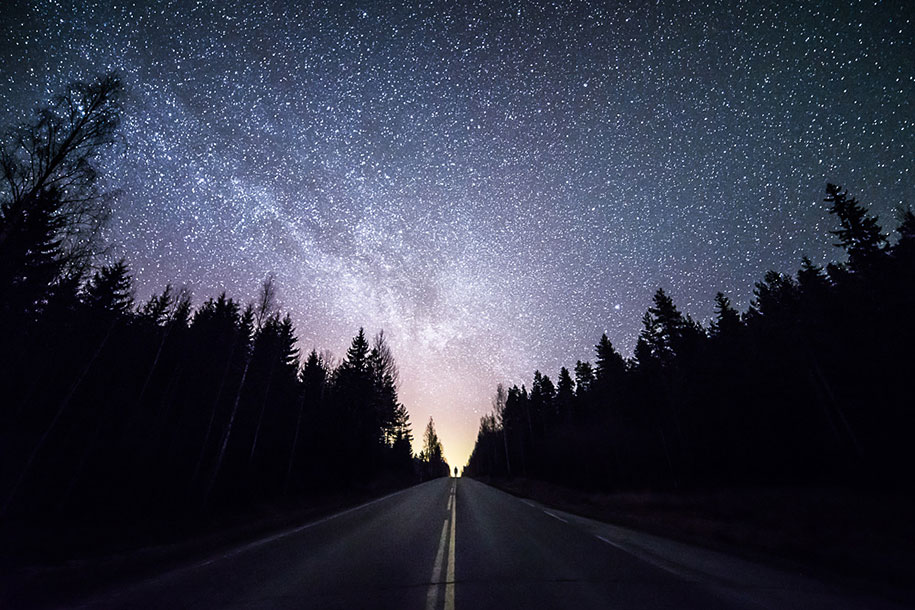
(455, 472)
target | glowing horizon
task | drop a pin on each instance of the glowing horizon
(493, 186)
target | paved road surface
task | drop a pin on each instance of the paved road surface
(456, 543)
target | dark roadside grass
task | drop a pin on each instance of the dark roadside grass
(862, 540)
(52, 564)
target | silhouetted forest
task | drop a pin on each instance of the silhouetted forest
(111, 407)
(809, 386)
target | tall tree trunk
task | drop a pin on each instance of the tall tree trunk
(155, 363)
(222, 385)
(60, 410)
(226, 435)
(295, 443)
(260, 416)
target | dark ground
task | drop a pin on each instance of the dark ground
(457, 543)
(59, 560)
(849, 536)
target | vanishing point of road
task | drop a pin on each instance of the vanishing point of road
(457, 543)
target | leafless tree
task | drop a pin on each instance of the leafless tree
(266, 301)
(385, 358)
(55, 153)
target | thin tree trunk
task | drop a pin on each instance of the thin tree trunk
(135, 410)
(295, 442)
(60, 410)
(222, 384)
(152, 369)
(840, 412)
(226, 435)
(260, 417)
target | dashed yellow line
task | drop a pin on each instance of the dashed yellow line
(447, 538)
(449, 588)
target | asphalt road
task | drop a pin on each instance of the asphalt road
(456, 543)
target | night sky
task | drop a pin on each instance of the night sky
(494, 184)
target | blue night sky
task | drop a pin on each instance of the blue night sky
(494, 184)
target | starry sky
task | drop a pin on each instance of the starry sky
(494, 184)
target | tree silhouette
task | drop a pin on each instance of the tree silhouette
(141, 418)
(49, 164)
(806, 387)
(109, 290)
(584, 377)
(30, 252)
(433, 454)
(727, 320)
(859, 234)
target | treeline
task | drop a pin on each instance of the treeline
(432, 457)
(811, 385)
(108, 407)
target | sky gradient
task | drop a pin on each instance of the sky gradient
(493, 184)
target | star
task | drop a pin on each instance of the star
(492, 186)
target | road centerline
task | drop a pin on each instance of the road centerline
(434, 585)
(449, 588)
(447, 539)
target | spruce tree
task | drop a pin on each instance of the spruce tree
(584, 378)
(109, 290)
(565, 393)
(609, 364)
(727, 320)
(859, 234)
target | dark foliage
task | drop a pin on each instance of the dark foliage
(115, 412)
(809, 386)
(431, 458)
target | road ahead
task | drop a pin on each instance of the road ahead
(456, 543)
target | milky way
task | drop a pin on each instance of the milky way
(494, 184)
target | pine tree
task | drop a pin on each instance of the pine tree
(565, 393)
(775, 297)
(643, 352)
(433, 453)
(217, 323)
(357, 356)
(906, 227)
(609, 364)
(584, 378)
(246, 332)
(313, 378)
(109, 290)
(859, 234)
(727, 321)
(278, 348)
(402, 445)
(810, 277)
(156, 309)
(904, 250)
(30, 251)
(384, 374)
(499, 406)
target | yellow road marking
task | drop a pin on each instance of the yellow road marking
(435, 585)
(449, 588)
(432, 594)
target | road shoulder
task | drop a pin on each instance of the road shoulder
(888, 572)
(48, 585)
